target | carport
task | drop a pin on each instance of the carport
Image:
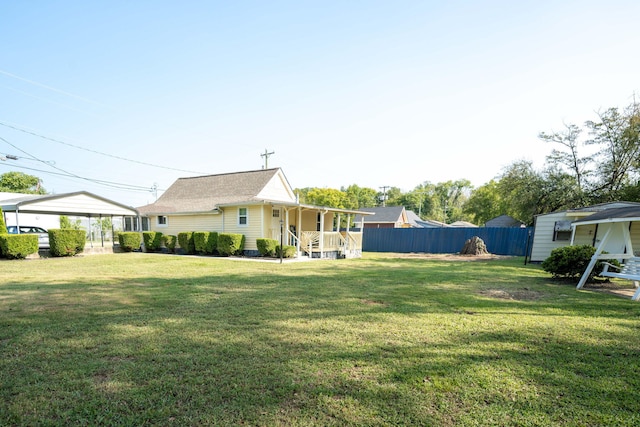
(81, 203)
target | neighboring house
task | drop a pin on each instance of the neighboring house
(413, 219)
(504, 221)
(257, 204)
(432, 223)
(463, 224)
(553, 230)
(384, 217)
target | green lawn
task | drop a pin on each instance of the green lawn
(141, 339)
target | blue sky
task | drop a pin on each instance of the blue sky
(374, 93)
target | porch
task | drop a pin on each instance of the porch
(327, 240)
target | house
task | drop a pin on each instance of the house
(504, 221)
(553, 230)
(257, 204)
(463, 224)
(384, 217)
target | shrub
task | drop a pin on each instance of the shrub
(152, 240)
(18, 246)
(572, 261)
(267, 247)
(205, 242)
(129, 240)
(185, 240)
(230, 244)
(289, 251)
(169, 242)
(66, 242)
(3, 226)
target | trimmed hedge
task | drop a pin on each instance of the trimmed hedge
(267, 247)
(18, 246)
(130, 241)
(169, 242)
(230, 244)
(185, 240)
(289, 251)
(152, 240)
(66, 242)
(205, 242)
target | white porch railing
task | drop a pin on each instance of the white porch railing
(346, 243)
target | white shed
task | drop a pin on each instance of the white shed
(553, 230)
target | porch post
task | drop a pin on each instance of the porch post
(299, 230)
(321, 234)
(594, 259)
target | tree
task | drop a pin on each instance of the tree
(327, 197)
(67, 224)
(485, 203)
(450, 196)
(18, 182)
(360, 197)
(569, 158)
(520, 187)
(616, 136)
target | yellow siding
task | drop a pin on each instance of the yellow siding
(253, 230)
(181, 223)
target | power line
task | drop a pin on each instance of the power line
(72, 175)
(29, 132)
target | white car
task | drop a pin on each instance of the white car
(43, 235)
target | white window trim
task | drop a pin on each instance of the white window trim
(166, 224)
(246, 216)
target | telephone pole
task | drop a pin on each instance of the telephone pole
(266, 155)
(384, 194)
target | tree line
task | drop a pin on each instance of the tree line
(596, 162)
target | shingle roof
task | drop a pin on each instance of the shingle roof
(389, 214)
(204, 193)
(626, 213)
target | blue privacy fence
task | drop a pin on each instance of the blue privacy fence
(499, 241)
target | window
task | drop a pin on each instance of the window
(275, 213)
(243, 217)
(562, 231)
(318, 221)
(163, 221)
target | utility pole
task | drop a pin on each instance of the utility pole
(266, 155)
(384, 194)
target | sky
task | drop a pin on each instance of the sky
(121, 98)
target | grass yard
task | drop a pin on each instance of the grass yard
(141, 339)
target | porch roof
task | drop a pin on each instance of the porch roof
(295, 205)
(629, 213)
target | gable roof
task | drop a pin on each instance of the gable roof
(588, 210)
(206, 193)
(504, 221)
(387, 214)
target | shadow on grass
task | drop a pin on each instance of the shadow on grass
(377, 343)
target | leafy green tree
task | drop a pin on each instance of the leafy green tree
(485, 203)
(18, 182)
(392, 196)
(327, 197)
(360, 197)
(616, 135)
(67, 224)
(568, 158)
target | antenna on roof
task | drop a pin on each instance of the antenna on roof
(266, 155)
